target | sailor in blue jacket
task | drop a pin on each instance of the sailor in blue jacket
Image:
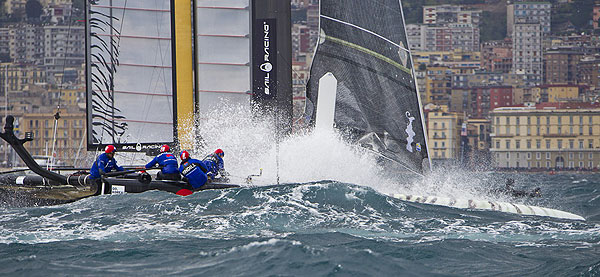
(215, 165)
(105, 163)
(192, 169)
(168, 164)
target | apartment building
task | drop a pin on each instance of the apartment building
(443, 132)
(560, 66)
(546, 135)
(527, 50)
(537, 12)
(442, 14)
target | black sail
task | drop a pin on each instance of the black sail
(363, 44)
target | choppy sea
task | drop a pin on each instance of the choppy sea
(309, 229)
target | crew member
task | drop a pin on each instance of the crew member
(511, 191)
(193, 170)
(168, 164)
(105, 163)
(215, 165)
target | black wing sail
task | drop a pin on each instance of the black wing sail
(363, 44)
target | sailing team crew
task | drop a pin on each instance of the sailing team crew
(168, 163)
(193, 170)
(196, 172)
(215, 165)
(104, 163)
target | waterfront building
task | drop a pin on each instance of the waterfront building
(546, 136)
(443, 132)
(70, 133)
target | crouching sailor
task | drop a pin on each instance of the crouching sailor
(105, 163)
(215, 165)
(193, 170)
(168, 164)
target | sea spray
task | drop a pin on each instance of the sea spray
(305, 156)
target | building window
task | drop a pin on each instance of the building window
(507, 144)
(538, 120)
(570, 130)
(571, 144)
(547, 144)
(559, 129)
(507, 129)
(537, 164)
(518, 144)
(571, 156)
(518, 121)
(537, 132)
(528, 155)
(497, 144)
(590, 143)
(559, 143)
(580, 144)
(508, 155)
(538, 143)
(591, 131)
(590, 156)
(548, 164)
(517, 129)
(590, 164)
(559, 120)
(538, 155)
(528, 131)
(547, 155)
(571, 164)
(528, 144)
(547, 130)
(581, 156)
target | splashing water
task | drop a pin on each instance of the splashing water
(249, 142)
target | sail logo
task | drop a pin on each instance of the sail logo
(264, 58)
(267, 66)
(410, 132)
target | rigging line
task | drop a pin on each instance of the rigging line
(365, 30)
(60, 88)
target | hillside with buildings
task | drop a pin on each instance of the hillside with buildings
(514, 85)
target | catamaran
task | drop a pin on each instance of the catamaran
(151, 68)
(362, 82)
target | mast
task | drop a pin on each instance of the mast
(183, 72)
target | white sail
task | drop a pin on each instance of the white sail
(222, 52)
(130, 73)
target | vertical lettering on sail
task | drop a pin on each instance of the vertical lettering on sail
(264, 59)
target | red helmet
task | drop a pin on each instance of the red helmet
(109, 149)
(220, 152)
(164, 148)
(184, 155)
